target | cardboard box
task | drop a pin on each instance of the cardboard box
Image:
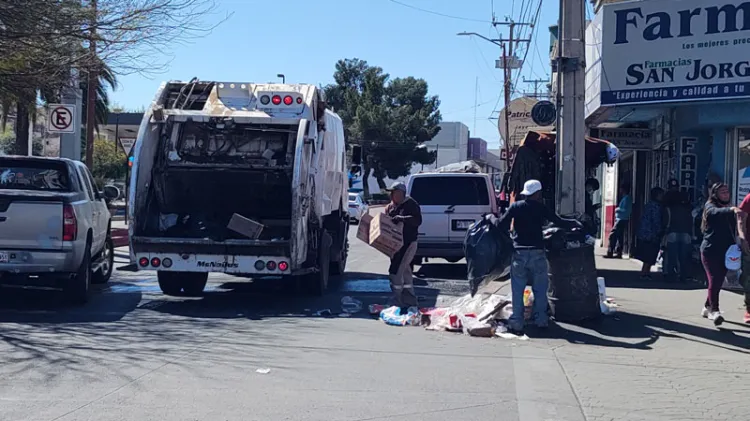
(245, 226)
(363, 230)
(385, 235)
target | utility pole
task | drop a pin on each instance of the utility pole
(571, 141)
(93, 75)
(536, 83)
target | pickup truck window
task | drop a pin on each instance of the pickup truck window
(92, 183)
(85, 182)
(432, 191)
(33, 175)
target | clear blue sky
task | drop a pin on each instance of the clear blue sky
(303, 39)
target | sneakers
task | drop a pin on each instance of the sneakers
(747, 317)
(705, 312)
(717, 318)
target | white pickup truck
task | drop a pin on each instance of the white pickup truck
(54, 226)
(271, 153)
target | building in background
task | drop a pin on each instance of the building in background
(675, 100)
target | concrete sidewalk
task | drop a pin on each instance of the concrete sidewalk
(655, 359)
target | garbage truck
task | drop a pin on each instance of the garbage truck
(239, 178)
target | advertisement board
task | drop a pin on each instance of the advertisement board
(628, 139)
(667, 50)
(519, 120)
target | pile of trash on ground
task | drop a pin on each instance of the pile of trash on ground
(483, 315)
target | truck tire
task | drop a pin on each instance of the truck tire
(76, 289)
(108, 262)
(169, 282)
(194, 283)
(317, 283)
(338, 268)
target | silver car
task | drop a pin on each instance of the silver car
(357, 207)
(54, 226)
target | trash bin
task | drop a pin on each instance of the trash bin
(573, 292)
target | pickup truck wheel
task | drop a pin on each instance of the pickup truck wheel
(107, 259)
(194, 283)
(76, 289)
(169, 282)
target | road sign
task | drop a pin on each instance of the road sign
(513, 63)
(127, 144)
(543, 113)
(61, 118)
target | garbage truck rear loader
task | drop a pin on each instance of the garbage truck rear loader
(238, 178)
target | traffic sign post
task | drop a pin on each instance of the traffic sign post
(60, 118)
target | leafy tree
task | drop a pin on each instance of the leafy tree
(110, 162)
(390, 118)
(8, 144)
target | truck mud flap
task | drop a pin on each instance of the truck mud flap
(129, 268)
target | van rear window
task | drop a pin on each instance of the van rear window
(448, 191)
(18, 174)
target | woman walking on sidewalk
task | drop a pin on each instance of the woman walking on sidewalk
(718, 227)
(650, 233)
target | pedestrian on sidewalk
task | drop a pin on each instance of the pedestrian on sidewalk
(622, 219)
(679, 233)
(650, 233)
(743, 231)
(529, 263)
(718, 226)
(404, 210)
(591, 224)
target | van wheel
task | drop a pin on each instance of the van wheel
(107, 258)
(169, 282)
(76, 289)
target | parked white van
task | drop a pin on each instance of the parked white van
(450, 203)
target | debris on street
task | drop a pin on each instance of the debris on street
(263, 370)
(351, 305)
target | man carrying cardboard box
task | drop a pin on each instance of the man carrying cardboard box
(404, 210)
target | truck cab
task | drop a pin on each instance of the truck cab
(208, 153)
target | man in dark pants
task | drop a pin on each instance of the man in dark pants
(405, 210)
(529, 264)
(622, 219)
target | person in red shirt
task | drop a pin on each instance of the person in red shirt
(743, 229)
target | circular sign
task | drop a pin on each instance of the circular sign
(61, 118)
(543, 113)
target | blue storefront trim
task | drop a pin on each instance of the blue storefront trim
(677, 93)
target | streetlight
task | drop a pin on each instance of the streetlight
(283, 78)
(469, 34)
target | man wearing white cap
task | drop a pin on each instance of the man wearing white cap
(529, 264)
(404, 210)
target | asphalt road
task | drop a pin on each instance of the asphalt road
(248, 350)
(133, 354)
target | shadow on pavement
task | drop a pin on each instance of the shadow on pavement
(638, 331)
(631, 279)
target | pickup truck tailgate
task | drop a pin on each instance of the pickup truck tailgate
(31, 220)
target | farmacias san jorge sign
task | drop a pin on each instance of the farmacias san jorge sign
(670, 50)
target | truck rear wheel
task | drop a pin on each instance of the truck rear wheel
(194, 284)
(317, 283)
(338, 268)
(169, 282)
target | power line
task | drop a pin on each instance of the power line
(432, 12)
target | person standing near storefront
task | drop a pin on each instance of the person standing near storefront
(743, 231)
(622, 219)
(718, 226)
(679, 238)
(650, 233)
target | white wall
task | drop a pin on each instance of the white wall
(594, 75)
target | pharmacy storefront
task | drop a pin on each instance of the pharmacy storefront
(681, 70)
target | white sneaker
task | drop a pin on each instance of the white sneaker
(716, 317)
(705, 312)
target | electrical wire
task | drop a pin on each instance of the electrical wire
(432, 12)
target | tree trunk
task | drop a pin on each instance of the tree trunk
(381, 183)
(365, 177)
(22, 129)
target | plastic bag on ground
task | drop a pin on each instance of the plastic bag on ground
(392, 316)
(351, 305)
(488, 252)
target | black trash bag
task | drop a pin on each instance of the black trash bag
(488, 253)
(554, 239)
